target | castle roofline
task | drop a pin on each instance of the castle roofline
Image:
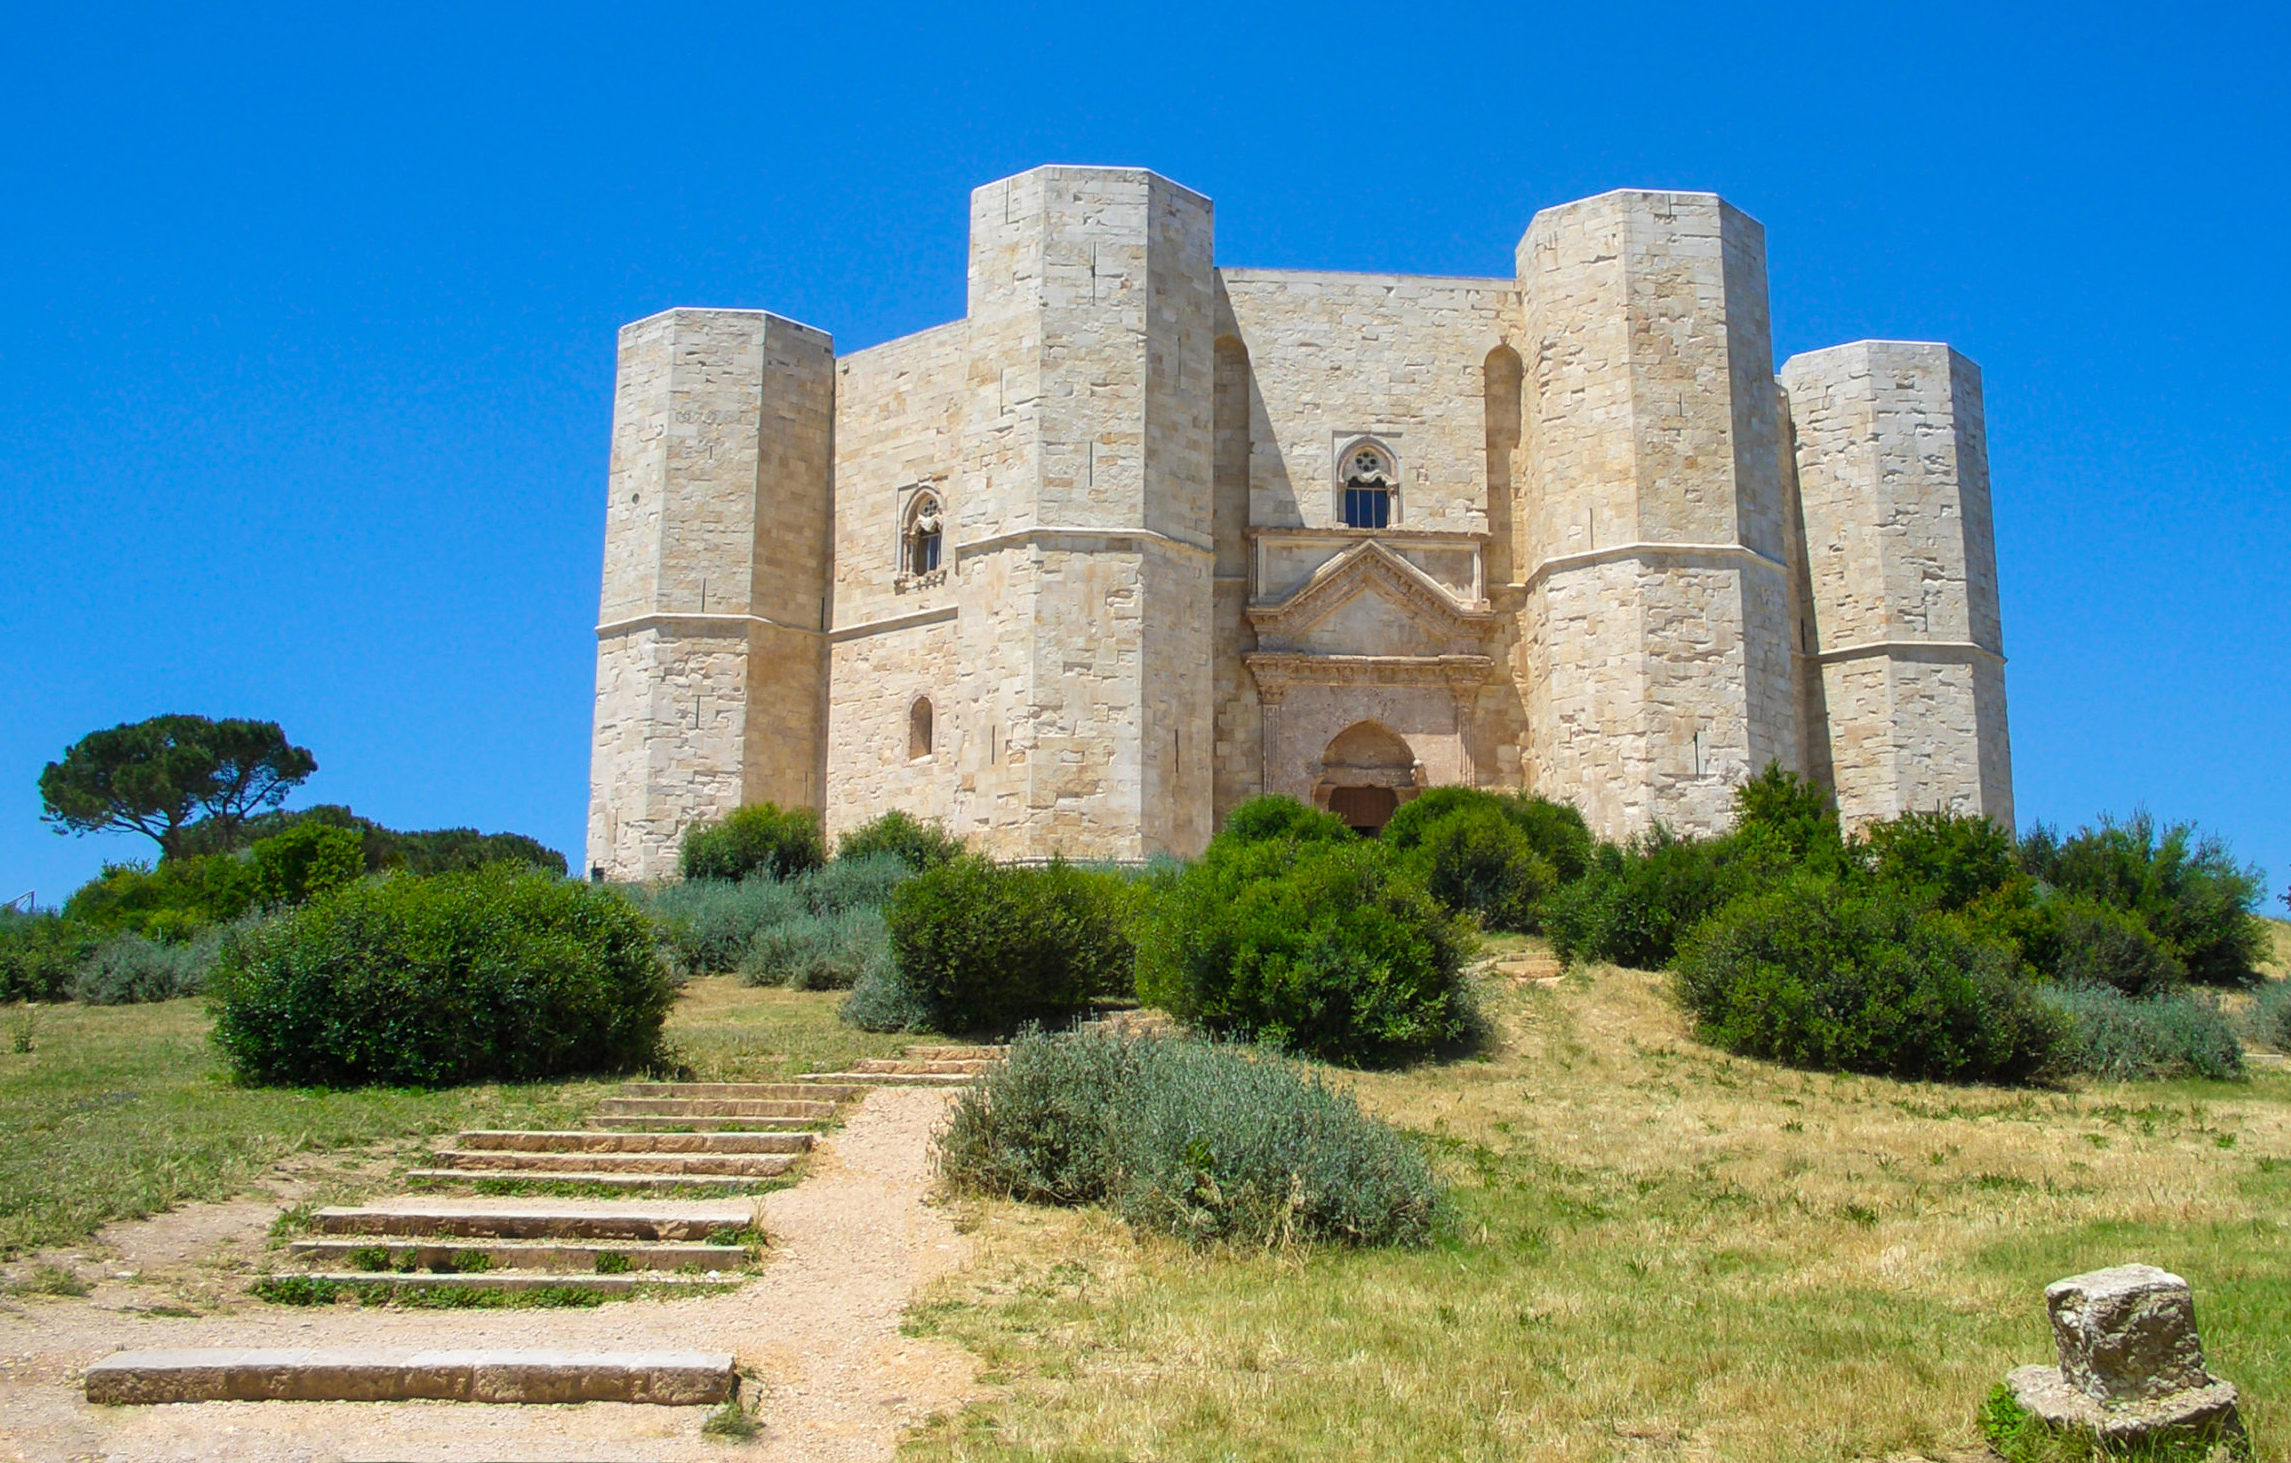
(1096, 170)
(1249, 273)
(727, 310)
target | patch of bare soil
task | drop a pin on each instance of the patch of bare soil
(816, 1333)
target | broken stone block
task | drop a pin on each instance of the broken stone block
(2131, 1364)
(2126, 1334)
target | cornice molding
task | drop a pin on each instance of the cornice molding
(1709, 553)
(1065, 536)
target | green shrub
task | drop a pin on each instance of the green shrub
(818, 952)
(761, 839)
(1815, 973)
(423, 982)
(1274, 819)
(174, 901)
(2188, 890)
(2126, 1039)
(1326, 948)
(1792, 820)
(1200, 1141)
(129, 969)
(917, 844)
(40, 953)
(304, 862)
(1948, 860)
(1491, 856)
(1637, 902)
(2268, 1019)
(2098, 944)
(986, 946)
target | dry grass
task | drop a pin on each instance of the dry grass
(2281, 930)
(1659, 1252)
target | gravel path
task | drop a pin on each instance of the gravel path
(818, 1330)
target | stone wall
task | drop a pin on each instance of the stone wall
(1657, 614)
(711, 675)
(1893, 485)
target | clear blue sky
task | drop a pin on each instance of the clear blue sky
(306, 316)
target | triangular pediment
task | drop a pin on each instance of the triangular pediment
(1370, 601)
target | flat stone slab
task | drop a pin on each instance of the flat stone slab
(513, 1162)
(714, 1107)
(901, 1079)
(576, 1259)
(591, 1178)
(2208, 1411)
(235, 1374)
(752, 1091)
(681, 1125)
(529, 1140)
(616, 1284)
(536, 1219)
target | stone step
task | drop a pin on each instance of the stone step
(496, 1161)
(670, 1125)
(886, 1066)
(714, 1107)
(738, 1091)
(238, 1374)
(591, 1178)
(535, 1141)
(957, 1053)
(618, 1284)
(480, 1220)
(903, 1079)
(577, 1259)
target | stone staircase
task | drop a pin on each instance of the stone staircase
(620, 1216)
(922, 1066)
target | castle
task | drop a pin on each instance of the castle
(1141, 536)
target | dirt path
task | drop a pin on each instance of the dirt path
(818, 1330)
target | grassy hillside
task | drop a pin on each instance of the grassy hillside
(121, 1111)
(1660, 1252)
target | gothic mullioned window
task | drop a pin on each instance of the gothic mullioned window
(1369, 482)
(919, 545)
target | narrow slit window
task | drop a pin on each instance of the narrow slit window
(919, 729)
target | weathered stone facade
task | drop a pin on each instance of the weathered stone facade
(1140, 537)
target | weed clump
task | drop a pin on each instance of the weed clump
(128, 969)
(1209, 1143)
(2123, 1038)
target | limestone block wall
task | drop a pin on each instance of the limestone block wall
(711, 672)
(1657, 603)
(874, 764)
(1389, 356)
(1893, 483)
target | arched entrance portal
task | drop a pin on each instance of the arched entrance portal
(1367, 772)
